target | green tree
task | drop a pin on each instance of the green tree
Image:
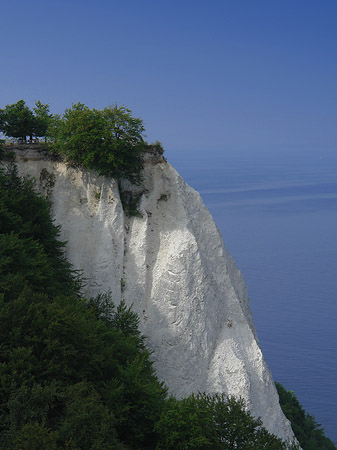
(30, 252)
(42, 119)
(17, 120)
(308, 432)
(212, 422)
(34, 436)
(109, 140)
(185, 424)
(87, 422)
(66, 370)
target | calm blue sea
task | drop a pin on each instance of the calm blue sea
(278, 218)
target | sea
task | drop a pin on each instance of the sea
(278, 218)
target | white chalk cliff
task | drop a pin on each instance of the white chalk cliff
(172, 265)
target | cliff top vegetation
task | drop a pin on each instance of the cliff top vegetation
(110, 141)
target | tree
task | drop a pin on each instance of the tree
(34, 436)
(42, 119)
(212, 422)
(309, 433)
(109, 140)
(17, 120)
(30, 252)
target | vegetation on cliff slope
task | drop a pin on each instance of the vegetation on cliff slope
(308, 432)
(76, 373)
(73, 373)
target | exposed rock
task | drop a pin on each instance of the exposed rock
(171, 263)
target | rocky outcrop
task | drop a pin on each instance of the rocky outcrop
(171, 264)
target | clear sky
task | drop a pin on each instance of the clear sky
(213, 76)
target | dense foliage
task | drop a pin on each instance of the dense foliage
(30, 253)
(18, 121)
(109, 140)
(75, 373)
(308, 432)
(212, 422)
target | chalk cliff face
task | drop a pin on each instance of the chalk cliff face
(172, 265)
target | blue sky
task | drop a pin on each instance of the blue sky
(206, 77)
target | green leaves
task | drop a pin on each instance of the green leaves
(42, 119)
(309, 433)
(18, 121)
(22, 261)
(186, 424)
(30, 253)
(74, 374)
(212, 422)
(87, 422)
(34, 436)
(71, 371)
(109, 140)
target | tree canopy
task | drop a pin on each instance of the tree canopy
(18, 121)
(308, 432)
(109, 140)
(42, 119)
(30, 252)
(213, 422)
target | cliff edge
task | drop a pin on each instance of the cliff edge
(171, 264)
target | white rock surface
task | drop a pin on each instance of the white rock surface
(173, 266)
